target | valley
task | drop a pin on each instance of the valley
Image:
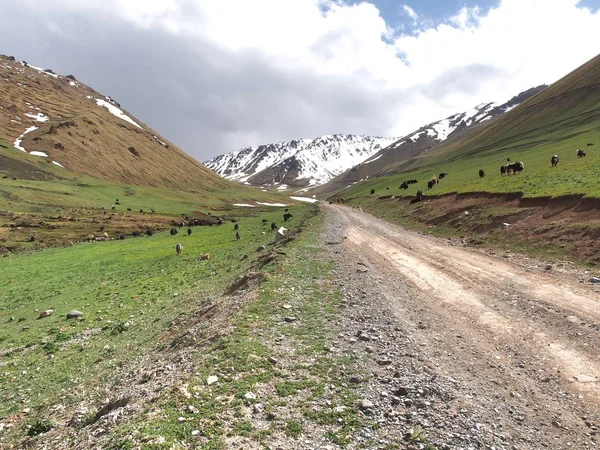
(299, 295)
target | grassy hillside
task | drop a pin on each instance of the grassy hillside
(559, 120)
(86, 138)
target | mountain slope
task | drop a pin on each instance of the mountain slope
(557, 121)
(298, 163)
(76, 128)
(390, 159)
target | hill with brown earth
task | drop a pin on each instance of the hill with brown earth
(73, 126)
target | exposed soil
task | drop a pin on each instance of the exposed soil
(567, 226)
(507, 350)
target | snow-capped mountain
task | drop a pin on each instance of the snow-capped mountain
(314, 162)
(298, 163)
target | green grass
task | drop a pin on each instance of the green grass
(129, 291)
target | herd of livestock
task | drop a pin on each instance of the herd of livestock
(506, 169)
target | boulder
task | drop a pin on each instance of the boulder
(74, 314)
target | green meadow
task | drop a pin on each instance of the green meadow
(129, 291)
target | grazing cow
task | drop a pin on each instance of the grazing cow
(481, 173)
(236, 227)
(502, 170)
(238, 236)
(435, 180)
(429, 184)
(404, 185)
(181, 224)
(273, 226)
(372, 190)
(580, 153)
(113, 208)
(205, 257)
(122, 237)
(265, 221)
(554, 160)
(142, 211)
(589, 144)
(149, 232)
(5, 177)
(286, 217)
(219, 222)
(179, 248)
(174, 231)
(136, 233)
(515, 167)
(189, 231)
(442, 175)
(128, 209)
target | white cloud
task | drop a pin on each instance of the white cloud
(230, 73)
(410, 12)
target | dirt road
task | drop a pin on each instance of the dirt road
(524, 336)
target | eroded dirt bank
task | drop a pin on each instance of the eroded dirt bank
(519, 344)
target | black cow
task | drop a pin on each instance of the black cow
(372, 191)
(554, 160)
(149, 233)
(286, 217)
(273, 226)
(189, 231)
(580, 153)
(174, 231)
(502, 170)
(429, 184)
(404, 185)
(442, 175)
(236, 227)
(481, 173)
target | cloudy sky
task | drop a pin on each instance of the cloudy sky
(214, 76)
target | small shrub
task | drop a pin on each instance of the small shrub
(39, 427)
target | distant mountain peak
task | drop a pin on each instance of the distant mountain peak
(299, 162)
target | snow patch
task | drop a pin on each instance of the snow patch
(116, 112)
(305, 199)
(371, 160)
(18, 140)
(72, 83)
(245, 205)
(40, 117)
(271, 204)
(283, 187)
(164, 144)
(58, 164)
(36, 153)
